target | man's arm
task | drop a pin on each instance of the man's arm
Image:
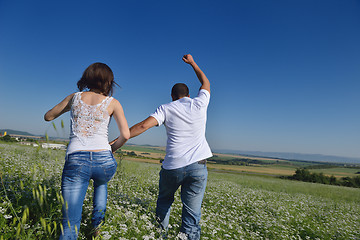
(205, 83)
(140, 127)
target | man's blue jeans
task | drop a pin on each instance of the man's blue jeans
(79, 168)
(192, 179)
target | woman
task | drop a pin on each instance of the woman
(89, 155)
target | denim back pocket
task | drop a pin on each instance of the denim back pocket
(109, 167)
(74, 164)
(197, 180)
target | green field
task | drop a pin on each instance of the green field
(339, 171)
(143, 149)
(236, 206)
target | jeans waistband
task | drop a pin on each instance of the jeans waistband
(89, 154)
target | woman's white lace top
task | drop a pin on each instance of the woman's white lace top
(89, 125)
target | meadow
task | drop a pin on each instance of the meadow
(236, 206)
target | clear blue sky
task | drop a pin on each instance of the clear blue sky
(285, 74)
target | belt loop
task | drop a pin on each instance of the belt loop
(202, 161)
(91, 155)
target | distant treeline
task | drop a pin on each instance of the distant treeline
(323, 166)
(7, 138)
(306, 176)
(236, 161)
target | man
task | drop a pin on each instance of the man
(186, 151)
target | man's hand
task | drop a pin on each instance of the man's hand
(205, 84)
(188, 59)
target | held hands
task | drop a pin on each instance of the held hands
(113, 141)
(188, 59)
(113, 150)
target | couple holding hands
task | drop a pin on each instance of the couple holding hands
(89, 153)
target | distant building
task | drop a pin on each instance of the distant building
(53, 146)
(29, 144)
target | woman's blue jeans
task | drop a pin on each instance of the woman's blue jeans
(192, 179)
(79, 168)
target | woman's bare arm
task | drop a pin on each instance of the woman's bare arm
(121, 122)
(59, 109)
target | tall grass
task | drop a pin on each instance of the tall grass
(29, 192)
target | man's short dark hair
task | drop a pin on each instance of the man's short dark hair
(179, 90)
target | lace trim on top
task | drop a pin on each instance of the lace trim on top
(87, 119)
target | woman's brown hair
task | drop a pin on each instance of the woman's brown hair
(98, 76)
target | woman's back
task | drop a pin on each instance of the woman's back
(92, 98)
(89, 155)
(90, 118)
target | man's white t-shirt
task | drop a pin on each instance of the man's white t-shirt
(185, 122)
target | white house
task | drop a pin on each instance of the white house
(53, 146)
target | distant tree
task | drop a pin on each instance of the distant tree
(348, 182)
(302, 175)
(324, 179)
(305, 176)
(7, 138)
(132, 153)
(357, 181)
(314, 177)
(332, 180)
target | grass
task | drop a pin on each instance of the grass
(235, 206)
(272, 170)
(336, 193)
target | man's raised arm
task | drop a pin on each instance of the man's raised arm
(205, 83)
